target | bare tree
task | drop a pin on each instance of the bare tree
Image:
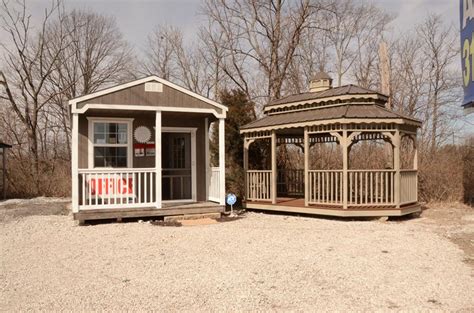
(259, 34)
(441, 49)
(169, 57)
(30, 60)
(354, 32)
(97, 56)
(160, 52)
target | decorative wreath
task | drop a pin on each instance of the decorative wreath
(142, 134)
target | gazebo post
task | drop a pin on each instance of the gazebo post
(274, 169)
(345, 166)
(396, 166)
(246, 165)
(306, 166)
(415, 154)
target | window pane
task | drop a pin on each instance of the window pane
(112, 127)
(99, 127)
(99, 138)
(122, 138)
(110, 156)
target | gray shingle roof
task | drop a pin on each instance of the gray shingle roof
(332, 92)
(343, 111)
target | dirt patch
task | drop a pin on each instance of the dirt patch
(166, 224)
(18, 208)
(454, 221)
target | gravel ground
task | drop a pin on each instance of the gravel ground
(261, 262)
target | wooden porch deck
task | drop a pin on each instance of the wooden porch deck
(296, 205)
(169, 209)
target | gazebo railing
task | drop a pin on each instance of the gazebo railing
(364, 187)
(371, 187)
(259, 185)
(325, 187)
(408, 186)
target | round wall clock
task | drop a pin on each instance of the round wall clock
(142, 134)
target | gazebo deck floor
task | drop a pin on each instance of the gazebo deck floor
(296, 205)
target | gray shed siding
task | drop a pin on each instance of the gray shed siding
(137, 95)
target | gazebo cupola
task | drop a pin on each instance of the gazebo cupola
(341, 116)
(320, 82)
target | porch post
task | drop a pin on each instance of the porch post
(158, 166)
(221, 161)
(273, 192)
(396, 166)
(75, 163)
(306, 166)
(207, 157)
(345, 166)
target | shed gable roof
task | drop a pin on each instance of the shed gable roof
(132, 92)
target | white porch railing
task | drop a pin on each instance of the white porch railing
(116, 188)
(408, 186)
(325, 187)
(371, 187)
(214, 183)
(258, 185)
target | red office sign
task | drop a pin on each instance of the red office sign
(111, 186)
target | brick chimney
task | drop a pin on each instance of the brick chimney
(320, 82)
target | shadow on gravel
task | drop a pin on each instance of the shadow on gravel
(156, 222)
(341, 219)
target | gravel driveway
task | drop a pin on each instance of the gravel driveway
(261, 262)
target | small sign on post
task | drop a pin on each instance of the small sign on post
(231, 199)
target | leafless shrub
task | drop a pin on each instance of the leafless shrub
(441, 175)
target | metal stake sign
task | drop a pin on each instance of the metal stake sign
(231, 199)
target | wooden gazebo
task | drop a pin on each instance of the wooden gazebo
(3, 164)
(343, 116)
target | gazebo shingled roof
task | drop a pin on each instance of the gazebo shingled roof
(329, 113)
(332, 92)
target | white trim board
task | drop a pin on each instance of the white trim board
(145, 108)
(142, 81)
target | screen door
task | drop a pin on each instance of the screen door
(176, 164)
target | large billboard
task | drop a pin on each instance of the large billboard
(467, 52)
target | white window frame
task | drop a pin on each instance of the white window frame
(191, 131)
(90, 136)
